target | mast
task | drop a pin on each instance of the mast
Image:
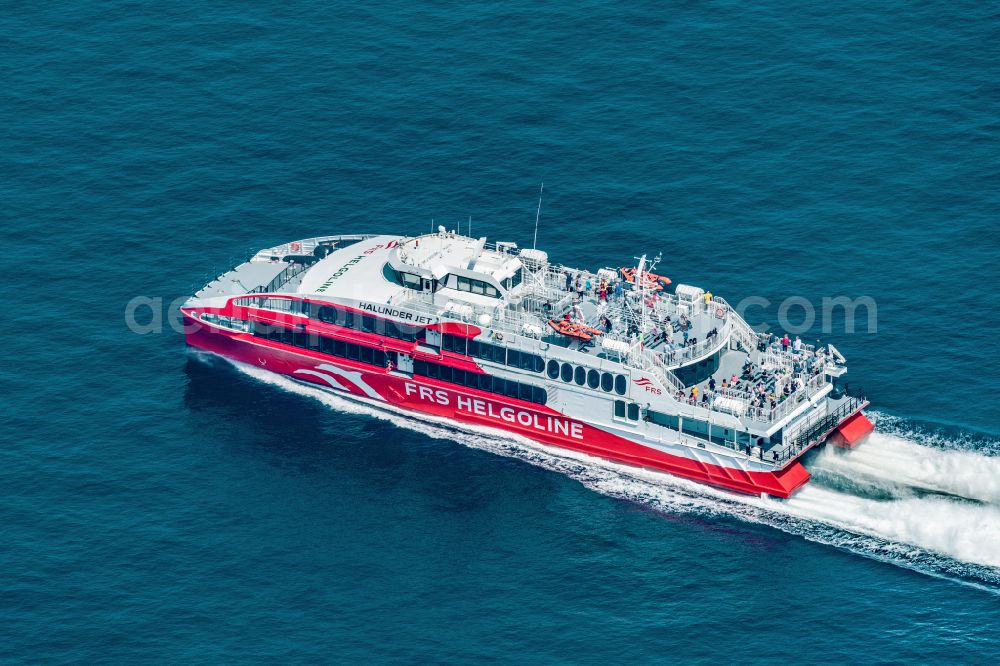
(538, 213)
(641, 284)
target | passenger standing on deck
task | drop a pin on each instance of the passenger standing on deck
(618, 290)
(569, 281)
(604, 290)
(785, 342)
(798, 344)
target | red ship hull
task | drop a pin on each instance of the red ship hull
(468, 405)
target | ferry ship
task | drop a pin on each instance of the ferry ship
(618, 363)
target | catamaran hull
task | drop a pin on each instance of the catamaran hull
(471, 406)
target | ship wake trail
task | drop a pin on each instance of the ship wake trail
(893, 499)
(891, 462)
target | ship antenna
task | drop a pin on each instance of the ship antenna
(538, 214)
(470, 226)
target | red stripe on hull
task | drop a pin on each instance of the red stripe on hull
(485, 409)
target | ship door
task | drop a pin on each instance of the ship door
(405, 363)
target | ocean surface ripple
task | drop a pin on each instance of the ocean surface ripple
(164, 506)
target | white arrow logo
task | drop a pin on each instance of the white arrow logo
(352, 376)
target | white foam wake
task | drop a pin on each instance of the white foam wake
(932, 533)
(891, 460)
(960, 530)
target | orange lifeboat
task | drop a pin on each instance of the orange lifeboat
(650, 280)
(573, 330)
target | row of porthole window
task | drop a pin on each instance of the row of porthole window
(581, 376)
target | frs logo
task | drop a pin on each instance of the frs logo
(376, 248)
(648, 385)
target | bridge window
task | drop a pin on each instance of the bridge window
(476, 287)
(410, 280)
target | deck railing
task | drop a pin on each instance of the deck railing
(742, 332)
(808, 435)
(810, 387)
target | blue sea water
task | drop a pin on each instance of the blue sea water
(159, 506)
